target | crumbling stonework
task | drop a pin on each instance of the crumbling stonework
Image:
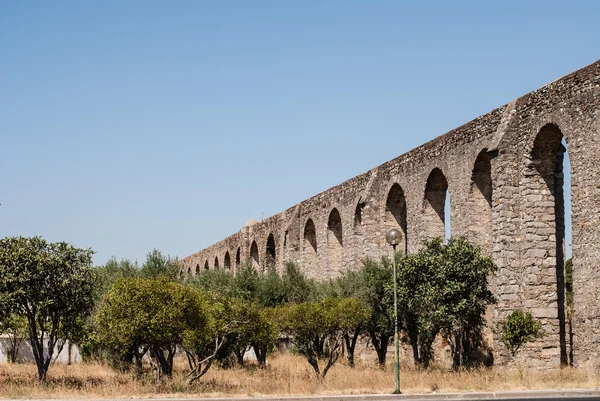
(504, 173)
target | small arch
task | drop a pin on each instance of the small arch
(270, 251)
(310, 236)
(227, 261)
(358, 213)
(395, 213)
(238, 257)
(436, 190)
(216, 265)
(254, 255)
(189, 271)
(206, 265)
(334, 226)
(197, 268)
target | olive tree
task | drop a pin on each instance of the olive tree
(151, 315)
(52, 286)
(316, 328)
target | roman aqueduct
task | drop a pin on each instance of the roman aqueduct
(504, 174)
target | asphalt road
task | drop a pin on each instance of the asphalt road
(529, 395)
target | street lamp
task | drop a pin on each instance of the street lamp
(393, 238)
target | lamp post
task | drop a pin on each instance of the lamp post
(393, 238)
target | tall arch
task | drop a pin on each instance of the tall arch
(189, 271)
(544, 229)
(270, 254)
(216, 265)
(254, 257)
(309, 245)
(335, 241)
(238, 257)
(227, 261)
(480, 202)
(197, 268)
(358, 214)
(395, 213)
(434, 216)
(206, 265)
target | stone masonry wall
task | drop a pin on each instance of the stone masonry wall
(503, 172)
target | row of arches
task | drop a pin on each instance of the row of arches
(435, 208)
(227, 265)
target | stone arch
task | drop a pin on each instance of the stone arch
(480, 202)
(254, 257)
(216, 264)
(334, 227)
(335, 241)
(238, 257)
(544, 230)
(206, 267)
(309, 245)
(310, 235)
(197, 268)
(270, 251)
(434, 204)
(358, 213)
(189, 271)
(395, 214)
(227, 261)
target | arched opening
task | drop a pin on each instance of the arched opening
(335, 241)
(197, 268)
(216, 265)
(238, 257)
(189, 271)
(310, 236)
(434, 215)
(309, 244)
(206, 265)
(480, 199)
(334, 227)
(358, 214)
(544, 227)
(254, 255)
(227, 261)
(395, 214)
(270, 251)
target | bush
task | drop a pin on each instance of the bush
(518, 329)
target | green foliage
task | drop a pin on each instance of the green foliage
(316, 328)
(16, 328)
(157, 265)
(369, 285)
(444, 289)
(217, 281)
(518, 329)
(145, 314)
(111, 271)
(52, 285)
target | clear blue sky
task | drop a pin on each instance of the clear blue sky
(128, 125)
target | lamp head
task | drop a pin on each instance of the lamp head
(393, 237)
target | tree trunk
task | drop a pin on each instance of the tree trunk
(261, 354)
(351, 346)
(380, 343)
(239, 355)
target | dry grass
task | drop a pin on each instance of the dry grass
(285, 375)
